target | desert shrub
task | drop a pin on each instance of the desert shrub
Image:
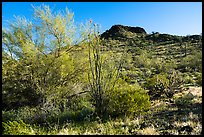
(83, 111)
(168, 66)
(17, 128)
(192, 62)
(143, 60)
(77, 108)
(175, 83)
(85, 114)
(157, 85)
(164, 84)
(128, 99)
(23, 113)
(17, 90)
(30, 115)
(199, 79)
(9, 115)
(66, 116)
(188, 79)
(78, 102)
(184, 101)
(157, 63)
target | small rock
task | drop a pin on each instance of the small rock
(170, 126)
(131, 131)
(143, 125)
(171, 101)
(165, 133)
(187, 128)
(190, 95)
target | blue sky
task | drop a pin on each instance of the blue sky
(177, 18)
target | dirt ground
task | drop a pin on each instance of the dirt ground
(174, 115)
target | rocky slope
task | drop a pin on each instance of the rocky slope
(121, 31)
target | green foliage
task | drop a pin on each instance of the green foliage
(9, 115)
(167, 66)
(128, 99)
(39, 70)
(104, 71)
(157, 85)
(17, 128)
(192, 62)
(23, 113)
(199, 79)
(188, 79)
(143, 60)
(164, 84)
(175, 83)
(184, 101)
(17, 90)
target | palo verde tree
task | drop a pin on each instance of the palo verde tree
(37, 59)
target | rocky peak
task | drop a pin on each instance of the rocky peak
(119, 29)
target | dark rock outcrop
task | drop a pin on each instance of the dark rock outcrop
(156, 37)
(117, 30)
(192, 38)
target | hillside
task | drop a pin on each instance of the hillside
(158, 86)
(159, 49)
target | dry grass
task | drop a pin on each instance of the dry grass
(166, 112)
(148, 131)
(196, 91)
(164, 118)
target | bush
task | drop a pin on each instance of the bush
(157, 85)
(168, 66)
(23, 113)
(192, 63)
(128, 99)
(143, 60)
(9, 115)
(175, 82)
(164, 84)
(17, 128)
(188, 80)
(199, 79)
(184, 101)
